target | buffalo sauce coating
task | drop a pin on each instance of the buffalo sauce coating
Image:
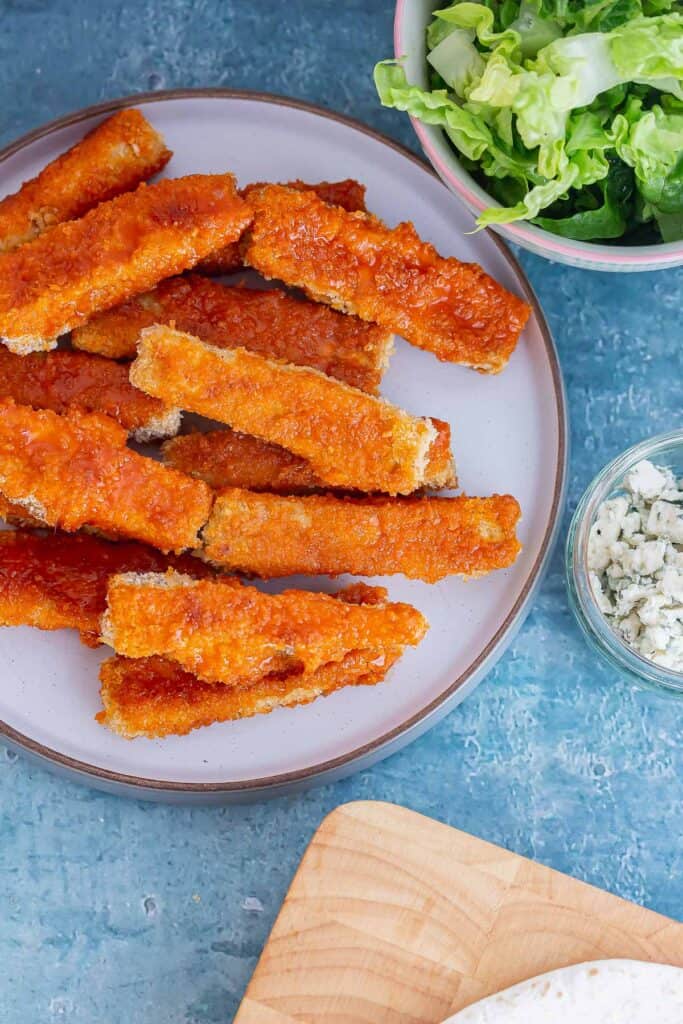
(155, 697)
(60, 581)
(422, 538)
(268, 322)
(226, 458)
(237, 634)
(113, 158)
(120, 248)
(75, 470)
(348, 194)
(59, 380)
(389, 276)
(440, 471)
(351, 439)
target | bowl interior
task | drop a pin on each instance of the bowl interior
(410, 27)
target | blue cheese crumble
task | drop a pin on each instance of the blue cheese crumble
(635, 562)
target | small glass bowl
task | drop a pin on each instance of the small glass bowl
(663, 450)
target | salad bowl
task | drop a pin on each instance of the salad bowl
(411, 48)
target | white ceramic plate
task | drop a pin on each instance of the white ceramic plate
(508, 436)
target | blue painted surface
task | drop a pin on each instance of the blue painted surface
(114, 910)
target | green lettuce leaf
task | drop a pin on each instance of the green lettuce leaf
(457, 60)
(469, 132)
(651, 142)
(608, 219)
(534, 201)
(650, 50)
(545, 98)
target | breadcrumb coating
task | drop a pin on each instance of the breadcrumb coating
(270, 535)
(111, 159)
(120, 248)
(235, 635)
(268, 322)
(75, 470)
(355, 263)
(351, 439)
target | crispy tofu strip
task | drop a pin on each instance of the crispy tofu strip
(423, 538)
(155, 698)
(348, 194)
(60, 581)
(226, 458)
(351, 439)
(121, 248)
(64, 380)
(113, 158)
(75, 470)
(355, 263)
(268, 322)
(235, 635)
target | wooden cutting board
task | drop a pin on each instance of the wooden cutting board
(393, 918)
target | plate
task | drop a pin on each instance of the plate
(509, 435)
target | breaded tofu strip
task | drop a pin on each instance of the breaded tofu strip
(355, 263)
(113, 158)
(348, 194)
(121, 248)
(268, 322)
(75, 470)
(423, 538)
(60, 581)
(235, 635)
(64, 380)
(351, 439)
(153, 697)
(226, 458)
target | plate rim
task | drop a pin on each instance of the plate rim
(400, 735)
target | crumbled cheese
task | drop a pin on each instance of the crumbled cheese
(635, 562)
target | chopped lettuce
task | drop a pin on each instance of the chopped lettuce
(554, 103)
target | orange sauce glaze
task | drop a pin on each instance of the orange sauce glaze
(120, 248)
(226, 458)
(75, 470)
(59, 581)
(348, 194)
(270, 535)
(236, 634)
(154, 697)
(268, 322)
(59, 380)
(356, 263)
(113, 158)
(351, 439)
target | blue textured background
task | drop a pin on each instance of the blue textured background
(113, 910)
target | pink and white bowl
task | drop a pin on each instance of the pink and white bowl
(410, 27)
